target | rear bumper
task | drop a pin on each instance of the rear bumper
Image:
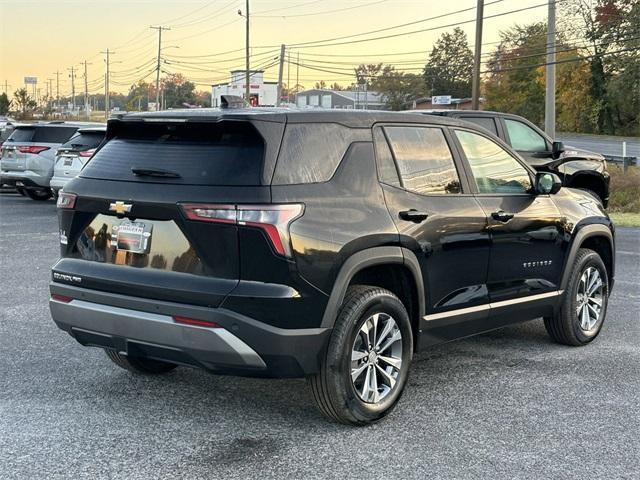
(136, 326)
(25, 178)
(57, 183)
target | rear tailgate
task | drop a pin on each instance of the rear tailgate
(128, 233)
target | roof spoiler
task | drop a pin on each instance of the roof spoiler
(232, 101)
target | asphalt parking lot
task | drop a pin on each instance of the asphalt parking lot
(508, 404)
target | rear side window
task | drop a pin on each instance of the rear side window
(51, 134)
(311, 152)
(22, 135)
(488, 123)
(424, 160)
(84, 140)
(386, 166)
(225, 153)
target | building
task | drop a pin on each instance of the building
(349, 99)
(262, 93)
(424, 103)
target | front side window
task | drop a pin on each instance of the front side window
(524, 138)
(424, 160)
(494, 169)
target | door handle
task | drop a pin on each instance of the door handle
(413, 215)
(502, 216)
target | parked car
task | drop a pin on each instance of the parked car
(7, 125)
(321, 244)
(74, 154)
(28, 156)
(576, 167)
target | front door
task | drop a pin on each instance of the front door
(527, 248)
(438, 220)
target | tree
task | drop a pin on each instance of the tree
(365, 74)
(139, 95)
(178, 91)
(398, 89)
(516, 79)
(5, 104)
(23, 100)
(607, 26)
(449, 68)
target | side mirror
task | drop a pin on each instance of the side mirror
(548, 183)
(556, 149)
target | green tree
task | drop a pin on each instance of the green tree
(23, 100)
(450, 65)
(177, 91)
(366, 73)
(398, 89)
(516, 80)
(610, 28)
(5, 104)
(139, 95)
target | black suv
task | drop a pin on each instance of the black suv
(330, 245)
(576, 167)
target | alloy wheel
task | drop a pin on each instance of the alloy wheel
(376, 358)
(589, 299)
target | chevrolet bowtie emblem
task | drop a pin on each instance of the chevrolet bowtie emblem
(120, 207)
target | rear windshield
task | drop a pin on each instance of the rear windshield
(84, 140)
(226, 153)
(42, 134)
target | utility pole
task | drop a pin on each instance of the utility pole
(57, 88)
(160, 29)
(50, 90)
(73, 88)
(280, 72)
(550, 91)
(475, 88)
(247, 64)
(86, 91)
(106, 84)
(297, 76)
(6, 87)
(288, 78)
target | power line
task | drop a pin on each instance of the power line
(353, 7)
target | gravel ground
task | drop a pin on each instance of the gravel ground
(508, 404)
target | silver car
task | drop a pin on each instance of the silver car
(28, 156)
(74, 154)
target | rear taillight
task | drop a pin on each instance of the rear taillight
(273, 220)
(66, 200)
(32, 149)
(87, 153)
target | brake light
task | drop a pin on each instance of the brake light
(87, 153)
(60, 298)
(32, 149)
(273, 220)
(66, 200)
(195, 321)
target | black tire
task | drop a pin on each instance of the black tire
(565, 326)
(146, 366)
(21, 191)
(333, 390)
(38, 195)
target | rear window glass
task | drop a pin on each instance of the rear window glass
(311, 152)
(226, 153)
(487, 123)
(22, 135)
(84, 141)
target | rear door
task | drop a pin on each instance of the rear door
(438, 219)
(74, 154)
(526, 228)
(133, 227)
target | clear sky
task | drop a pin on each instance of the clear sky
(40, 37)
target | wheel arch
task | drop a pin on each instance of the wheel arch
(597, 237)
(366, 266)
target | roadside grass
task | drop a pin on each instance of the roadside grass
(625, 219)
(624, 199)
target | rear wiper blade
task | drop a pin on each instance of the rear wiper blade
(154, 172)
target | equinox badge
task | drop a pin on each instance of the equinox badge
(120, 207)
